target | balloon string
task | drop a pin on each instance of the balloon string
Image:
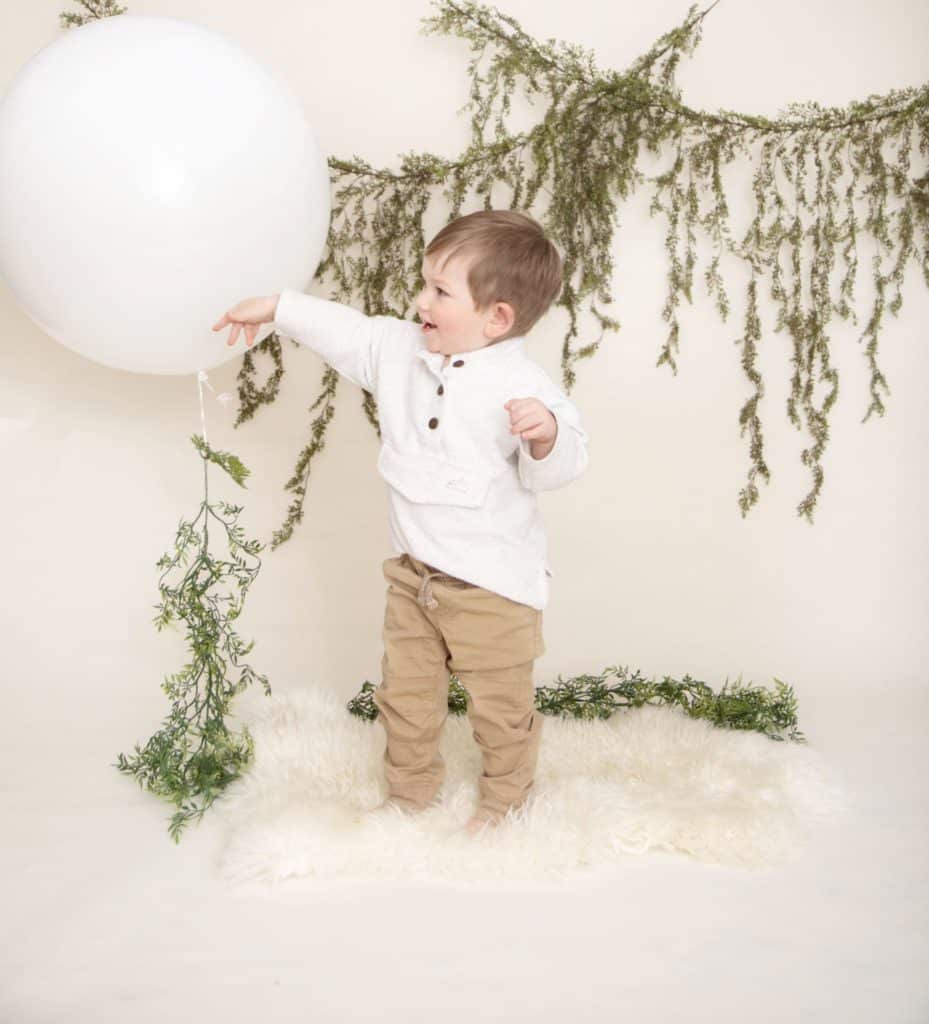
(201, 380)
(223, 399)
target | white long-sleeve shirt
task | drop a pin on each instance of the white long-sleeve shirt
(462, 488)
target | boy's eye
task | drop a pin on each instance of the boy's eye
(441, 291)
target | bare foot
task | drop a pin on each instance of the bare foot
(477, 825)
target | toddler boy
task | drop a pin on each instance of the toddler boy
(472, 429)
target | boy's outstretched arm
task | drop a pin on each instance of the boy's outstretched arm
(346, 339)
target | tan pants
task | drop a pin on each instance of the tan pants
(435, 624)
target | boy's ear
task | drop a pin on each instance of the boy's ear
(501, 319)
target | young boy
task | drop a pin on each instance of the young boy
(471, 430)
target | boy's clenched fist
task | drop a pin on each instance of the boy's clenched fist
(531, 419)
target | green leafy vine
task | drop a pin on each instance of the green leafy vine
(737, 705)
(582, 157)
(192, 759)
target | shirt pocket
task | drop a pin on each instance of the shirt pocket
(431, 480)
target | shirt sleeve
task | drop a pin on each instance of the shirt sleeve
(346, 339)
(569, 457)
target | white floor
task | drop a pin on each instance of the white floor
(105, 919)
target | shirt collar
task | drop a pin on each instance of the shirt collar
(482, 358)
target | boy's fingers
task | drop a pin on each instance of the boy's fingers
(516, 405)
(513, 407)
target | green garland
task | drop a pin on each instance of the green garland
(584, 153)
(169, 765)
(94, 10)
(736, 706)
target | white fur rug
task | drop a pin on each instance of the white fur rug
(649, 778)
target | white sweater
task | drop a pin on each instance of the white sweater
(462, 487)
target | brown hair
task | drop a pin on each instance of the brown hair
(513, 262)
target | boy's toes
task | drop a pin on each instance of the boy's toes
(476, 826)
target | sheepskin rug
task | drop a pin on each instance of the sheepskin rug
(648, 778)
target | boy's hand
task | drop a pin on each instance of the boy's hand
(531, 419)
(250, 314)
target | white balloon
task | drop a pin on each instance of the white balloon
(152, 174)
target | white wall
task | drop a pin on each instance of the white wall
(653, 565)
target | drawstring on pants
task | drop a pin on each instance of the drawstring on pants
(425, 595)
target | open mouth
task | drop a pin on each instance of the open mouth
(427, 326)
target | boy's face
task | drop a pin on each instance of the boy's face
(446, 302)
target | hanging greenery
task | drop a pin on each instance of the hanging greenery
(581, 159)
(93, 11)
(737, 705)
(195, 756)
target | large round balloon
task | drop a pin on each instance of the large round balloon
(152, 174)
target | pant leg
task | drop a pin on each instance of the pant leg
(494, 643)
(412, 698)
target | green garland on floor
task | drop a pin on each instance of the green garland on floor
(736, 706)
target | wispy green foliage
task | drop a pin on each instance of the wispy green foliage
(94, 10)
(736, 706)
(195, 756)
(580, 160)
(225, 460)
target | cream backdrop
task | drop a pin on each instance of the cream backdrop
(653, 565)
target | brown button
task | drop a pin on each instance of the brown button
(433, 423)
(441, 390)
(458, 362)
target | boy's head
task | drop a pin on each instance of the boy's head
(488, 276)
